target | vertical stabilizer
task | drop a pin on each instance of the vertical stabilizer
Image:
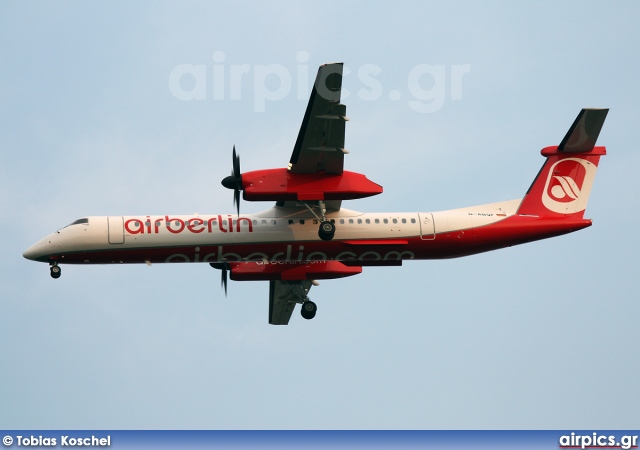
(564, 183)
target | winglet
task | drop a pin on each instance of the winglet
(583, 134)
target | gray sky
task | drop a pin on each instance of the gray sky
(543, 335)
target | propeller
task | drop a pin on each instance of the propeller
(234, 181)
(223, 280)
(224, 267)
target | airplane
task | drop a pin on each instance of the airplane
(307, 235)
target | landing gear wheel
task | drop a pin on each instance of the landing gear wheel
(327, 230)
(56, 271)
(308, 310)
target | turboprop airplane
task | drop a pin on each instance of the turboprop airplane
(308, 236)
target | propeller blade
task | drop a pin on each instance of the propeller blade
(236, 200)
(224, 267)
(234, 181)
(224, 279)
(236, 163)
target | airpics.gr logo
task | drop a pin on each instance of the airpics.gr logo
(568, 185)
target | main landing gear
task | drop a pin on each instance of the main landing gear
(296, 292)
(327, 228)
(55, 269)
(308, 310)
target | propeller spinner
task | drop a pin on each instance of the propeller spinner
(234, 181)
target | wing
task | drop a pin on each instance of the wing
(320, 143)
(283, 296)
(315, 173)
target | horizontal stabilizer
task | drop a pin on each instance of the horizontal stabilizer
(583, 134)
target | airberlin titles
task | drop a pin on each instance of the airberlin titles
(288, 255)
(194, 225)
(197, 225)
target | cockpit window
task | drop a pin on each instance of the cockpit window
(79, 221)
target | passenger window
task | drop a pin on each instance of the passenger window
(413, 220)
(290, 222)
(368, 221)
(301, 221)
(264, 222)
(404, 220)
(386, 221)
(377, 220)
(395, 220)
(359, 220)
(273, 222)
(341, 220)
(350, 220)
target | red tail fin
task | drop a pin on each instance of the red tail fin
(564, 183)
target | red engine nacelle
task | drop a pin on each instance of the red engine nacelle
(282, 185)
(291, 271)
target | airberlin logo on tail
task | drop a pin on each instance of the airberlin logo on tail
(566, 191)
(568, 185)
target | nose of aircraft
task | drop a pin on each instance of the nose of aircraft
(37, 251)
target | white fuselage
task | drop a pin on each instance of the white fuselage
(275, 234)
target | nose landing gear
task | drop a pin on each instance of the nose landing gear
(55, 269)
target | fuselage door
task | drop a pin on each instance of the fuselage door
(427, 226)
(116, 230)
